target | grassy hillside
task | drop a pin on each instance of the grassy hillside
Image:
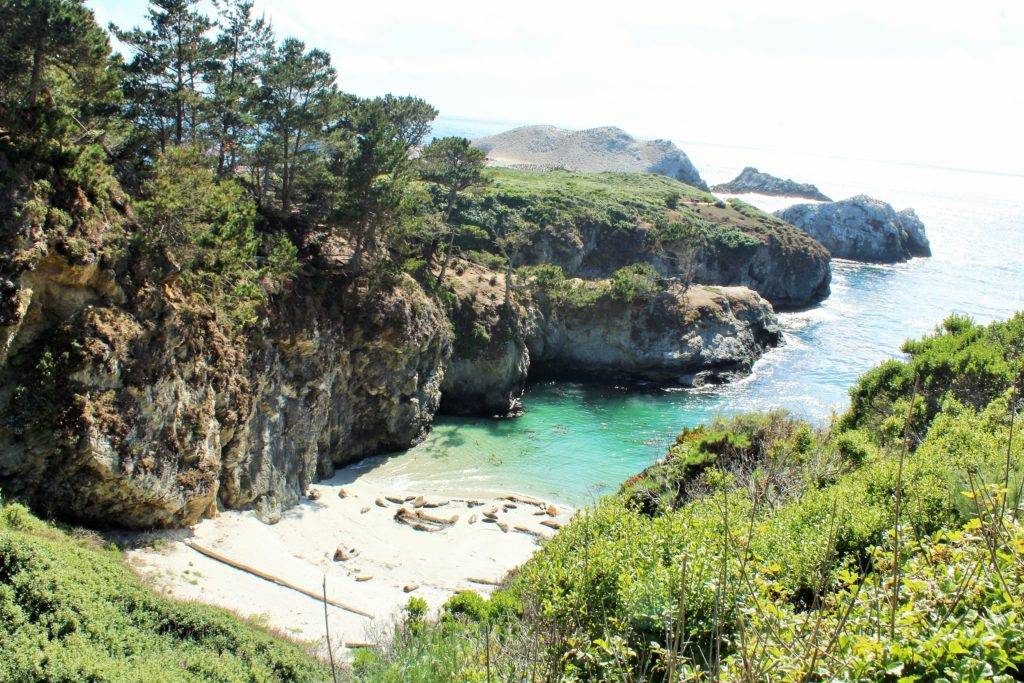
(888, 546)
(562, 201)
(71, 610)
(666, 210)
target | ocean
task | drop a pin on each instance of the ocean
(578, 441)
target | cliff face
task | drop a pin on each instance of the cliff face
(862, 229)
(678, 336)
(488, 368)
(782, 264)
(750, 180)
(125, 401)
(591, 224)
(139, 411)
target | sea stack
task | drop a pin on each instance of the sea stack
(862, 229)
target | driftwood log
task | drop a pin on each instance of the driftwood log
(248, 569)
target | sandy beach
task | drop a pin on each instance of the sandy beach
(435, 547)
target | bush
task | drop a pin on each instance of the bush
(638, 281)
(73, 612)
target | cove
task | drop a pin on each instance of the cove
(577, 441)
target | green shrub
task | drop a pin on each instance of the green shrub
(205, 230)
(73, 612)
(638, 281)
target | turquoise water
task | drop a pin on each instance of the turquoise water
(577, 441)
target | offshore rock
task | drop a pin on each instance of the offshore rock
(750, 180)
(862, 229)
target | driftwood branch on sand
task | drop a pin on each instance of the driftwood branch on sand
(214, 555)
(485, 582)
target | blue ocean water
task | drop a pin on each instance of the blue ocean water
(578, 441)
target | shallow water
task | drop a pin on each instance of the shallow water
(577, 441)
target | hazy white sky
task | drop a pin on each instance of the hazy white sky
(929, 82)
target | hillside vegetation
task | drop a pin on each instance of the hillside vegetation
(888, 546)
(71, 610)
(592, 224)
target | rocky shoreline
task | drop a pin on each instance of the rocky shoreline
(678, 336)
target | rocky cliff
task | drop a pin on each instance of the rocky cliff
(862, 229)
(674, 335)
(594, 149)
(750, 180)
(132, 407)
(125, 400)
(594, 224)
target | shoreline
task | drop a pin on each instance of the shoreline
(384, 558)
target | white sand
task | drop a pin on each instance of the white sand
(300, 549)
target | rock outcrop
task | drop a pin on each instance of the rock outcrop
(680, 336)
(488, 368)
(750, 180)
(592, 224)
(781, 263)
(676, 336)
(595, 149)
(862, 229)
(137, 410)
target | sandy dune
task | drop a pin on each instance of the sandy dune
(300, 549)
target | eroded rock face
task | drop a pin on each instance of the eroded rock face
(750, 180)
(785, 266)
(679, 336)
(595, 149)
(143, 413)
(862, 229)
(487, 372)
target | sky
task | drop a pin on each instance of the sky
(932, 82)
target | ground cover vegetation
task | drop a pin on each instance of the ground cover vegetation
(885, 546)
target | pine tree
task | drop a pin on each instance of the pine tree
(52, 49)
(455, 166)
(377, 168)
(298, 100)
(167, 73)
(243, 46)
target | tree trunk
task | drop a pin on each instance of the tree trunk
(38, 59)
(452, 194)
(179, 104)
(285, 178)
